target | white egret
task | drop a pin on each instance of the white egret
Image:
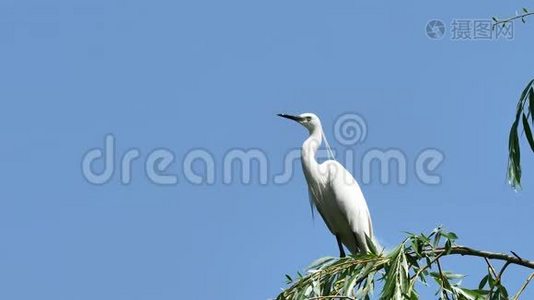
(334, 192)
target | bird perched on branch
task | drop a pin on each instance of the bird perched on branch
(334, 192)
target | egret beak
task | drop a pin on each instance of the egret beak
(294, 118)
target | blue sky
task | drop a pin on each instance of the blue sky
(212, 75)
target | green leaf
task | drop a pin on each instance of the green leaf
(448, 246)
(470, 294)
(288, 279)
(528, 132)
(494, 19)
(525, 10)
(321, 263)
(483, 282)
(526, 90)
(450, 236)
(396, 283)
(448, 275)
(350, 282)
(503, 291)
(514, 158)
(491, 280)
(416, 246)
(371, 245)
(522, 98)
(437, 238)
(531, 104)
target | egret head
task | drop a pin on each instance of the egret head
(308, 120)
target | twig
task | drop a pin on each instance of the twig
(523, 287)
(494, 274)
(498, 22)
(492, 269)
(501, 272)
(462, 250)
(421, 270)
(515, 254)
(442, 278)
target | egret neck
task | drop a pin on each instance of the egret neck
(309, 152)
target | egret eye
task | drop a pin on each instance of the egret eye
(308, 119)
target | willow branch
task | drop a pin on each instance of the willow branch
(490, 267)
(521, 16)
(442, 279)
(466, 251)
(523, 286)
(503, 269)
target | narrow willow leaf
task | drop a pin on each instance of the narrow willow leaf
(321, 263)
(395, 276)
(437, 238)
(316, 288)
(350, 283)
(525, 90)
(448, 247)
(450, 236)
(522, 100)
(451, 275)
(288, 279)
(491, 280)
(514, 164)
(528, 132)
(368, 288)
(531, 104)
(416, 246)
(483, 282)
(453, 236)
(464, 293)
(301, 295)
(503, 291)
(371, 245)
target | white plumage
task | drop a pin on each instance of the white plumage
(334, 192)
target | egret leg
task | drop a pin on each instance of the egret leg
(341, 250)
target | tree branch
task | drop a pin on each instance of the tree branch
(521, 16)
(503, 269)
(442, 280)
(336, 277)
(466, 251)
(523, 286)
